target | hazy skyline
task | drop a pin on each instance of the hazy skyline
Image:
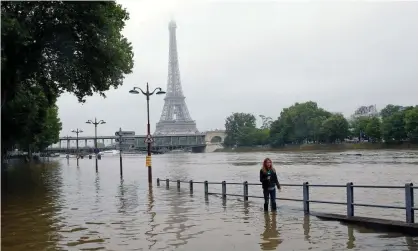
(260, 58)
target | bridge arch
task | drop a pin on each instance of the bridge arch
(216, 139)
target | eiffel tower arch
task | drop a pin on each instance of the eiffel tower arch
(175, 117)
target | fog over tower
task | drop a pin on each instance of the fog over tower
(175, 117)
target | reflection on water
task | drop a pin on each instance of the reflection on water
(97, 188)
(31, 201)
(351, 238)
(270, 236)
(59, 206)
(178, 218)
(306, 227)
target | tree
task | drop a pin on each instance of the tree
(298, 123)
(373, 129)
(261, 136)
(367, 127)
(393, 127)
(335, 128)
(389, 110)
(266, 122)
(306, 122)
(238, 126)
(50, 129)
(411, 124)
(23, 118)
(63, 46)
(53, 47)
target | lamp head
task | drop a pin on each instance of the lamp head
(102, 122)
(160, 92)
(88, 122)
(133, 91)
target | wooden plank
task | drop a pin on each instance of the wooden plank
(373, 223)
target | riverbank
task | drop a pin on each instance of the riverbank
(326, 147)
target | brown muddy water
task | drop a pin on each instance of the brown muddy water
(59, 206)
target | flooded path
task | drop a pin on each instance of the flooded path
(59, 206)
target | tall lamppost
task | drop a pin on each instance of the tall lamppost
(95, 123)
(68, 144)
(77, 131)
(149, 139)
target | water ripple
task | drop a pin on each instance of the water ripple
(59, 206)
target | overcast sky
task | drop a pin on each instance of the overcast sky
(260, 57)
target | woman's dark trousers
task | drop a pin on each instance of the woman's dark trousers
(272, 194)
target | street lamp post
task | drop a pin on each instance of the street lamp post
(68, 144)
(148, 140)
(120, 152)
(77, 131)
(95, 123)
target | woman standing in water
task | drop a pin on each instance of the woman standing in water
(269, 181)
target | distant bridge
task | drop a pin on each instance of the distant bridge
(195, 142)
(217, 136)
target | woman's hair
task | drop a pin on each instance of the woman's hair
(265, 168)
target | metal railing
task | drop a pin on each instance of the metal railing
(408, 188)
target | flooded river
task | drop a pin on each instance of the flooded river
(59, 206)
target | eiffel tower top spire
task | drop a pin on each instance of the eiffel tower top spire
(174, 88)
(175, 117)
(172, 24)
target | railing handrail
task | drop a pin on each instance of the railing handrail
(298, 185)
(408, 187)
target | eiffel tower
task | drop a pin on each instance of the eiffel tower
(175, 117)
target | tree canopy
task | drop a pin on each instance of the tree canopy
(52, 47)
(299, 123)
(308, 123)
(411, 124)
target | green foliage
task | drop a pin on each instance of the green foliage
(238, 128)
(411, 124)
(359, 125)
(367, 127)
(394, 123)
(308, 123)
(51, 47)
(266, 122)
(63, 46)
(389, 110)
(49, 129)
(299, 123)
(373, 129)
(335, 129)
(261, 136)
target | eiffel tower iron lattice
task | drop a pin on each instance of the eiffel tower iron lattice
(175, 117)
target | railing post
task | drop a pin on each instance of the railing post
(167, 183)
(245, 190)
(178, 184)
(206, 187)
(306, 197)
(223, 189)
(409, 203)
(191, 186)
(350, 199)
(158, 182)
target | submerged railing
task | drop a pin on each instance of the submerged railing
(408, 188)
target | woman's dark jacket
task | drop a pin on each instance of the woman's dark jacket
(265, 182)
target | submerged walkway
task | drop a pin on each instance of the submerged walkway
(407, 227)
(79, 207)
